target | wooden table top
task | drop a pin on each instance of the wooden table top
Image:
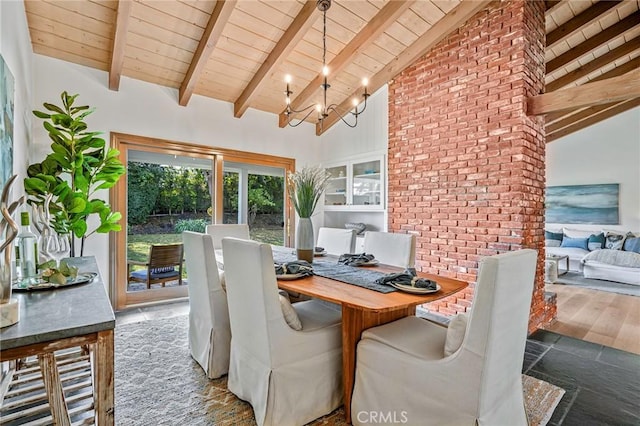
(362, 298)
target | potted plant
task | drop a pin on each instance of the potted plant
(80, 165)
(305, 188)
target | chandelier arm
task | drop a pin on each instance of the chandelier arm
(335, 111)
(298, 111)
(301, 121)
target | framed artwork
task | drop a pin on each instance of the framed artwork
(6, 123)
(587, 204)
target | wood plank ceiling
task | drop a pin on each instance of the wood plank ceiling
(239, 51)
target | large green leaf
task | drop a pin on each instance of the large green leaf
(77, 205)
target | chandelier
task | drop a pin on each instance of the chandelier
(323, 110)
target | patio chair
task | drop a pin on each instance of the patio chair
(161, 266)
(468, 374)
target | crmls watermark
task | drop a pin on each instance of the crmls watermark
(399, 417)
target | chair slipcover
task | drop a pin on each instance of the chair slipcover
(209, 330)
(401, 367)
(289, 377)
(219, 231)
(337, 241)
(391, 249)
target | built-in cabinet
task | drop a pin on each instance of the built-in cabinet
(356, 192)
(356, 185)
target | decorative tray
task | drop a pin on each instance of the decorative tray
(41, 284)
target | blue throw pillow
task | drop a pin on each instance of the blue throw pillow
(552, 239)
(632, 244)
(582, 243)
(596, 241)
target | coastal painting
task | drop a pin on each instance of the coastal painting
(6, 123)
(587, 204)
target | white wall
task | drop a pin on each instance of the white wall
(606, 152)
(150, 110)
(369, 137)
(15, 46)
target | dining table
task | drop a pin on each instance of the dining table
(362, 308)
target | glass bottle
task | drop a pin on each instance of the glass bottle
(27, 252)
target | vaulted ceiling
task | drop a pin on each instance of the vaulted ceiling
(239, 51)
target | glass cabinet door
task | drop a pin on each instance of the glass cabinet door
(366, 183)
(336, 193)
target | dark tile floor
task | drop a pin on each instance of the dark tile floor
(602, 384)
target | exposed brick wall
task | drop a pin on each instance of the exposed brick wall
(466, 164)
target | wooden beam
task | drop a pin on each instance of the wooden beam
(296, 31)
(621, 70)
(374, 28)
(594, 65)
(210, 37)
(119, 43)
(580, 21)
(626, 86)
(594, 42)
(577, 116)
(440, 30)
(551, 5)
(620, 108)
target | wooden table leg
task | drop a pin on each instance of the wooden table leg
(103, 363)
(354, 322)
(53, 387)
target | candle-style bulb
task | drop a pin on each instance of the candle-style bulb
(287, 78)
(365, 82)
(325, 71)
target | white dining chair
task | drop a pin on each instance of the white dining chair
(209, 330)
(289, 377)
(468, 374)
(219, 231)
(336, 241)
(391, 248)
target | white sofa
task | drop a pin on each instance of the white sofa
(612, 265)
(603, 264)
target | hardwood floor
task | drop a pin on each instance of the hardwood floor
(609, 319)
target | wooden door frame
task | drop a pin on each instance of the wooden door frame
(118, 200)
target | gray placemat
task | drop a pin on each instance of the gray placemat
(330, 268)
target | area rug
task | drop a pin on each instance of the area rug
(157, 382)
(578, 280)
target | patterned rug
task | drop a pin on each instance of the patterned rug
(578, 280)
(158, 383)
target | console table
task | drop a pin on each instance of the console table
(55, 320)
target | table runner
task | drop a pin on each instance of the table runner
(330, 268)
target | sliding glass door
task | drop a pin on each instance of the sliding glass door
(173, 187)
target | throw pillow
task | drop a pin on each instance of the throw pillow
(576, 233)
(596, 241)
(552, 239)
(632, 243)
(582, 243)
(455, 334)
(163, 270)
(290, 314)
(614, 241)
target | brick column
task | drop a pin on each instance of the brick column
(466, 164)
